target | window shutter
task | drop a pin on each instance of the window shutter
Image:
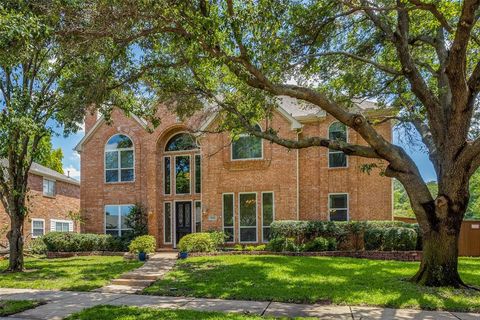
(70, 226)
(52, 225)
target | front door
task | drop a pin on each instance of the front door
(183, 219)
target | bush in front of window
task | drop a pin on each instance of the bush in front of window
(83, 242)
(143, 244)
(37, 247)
(399, 239)
(137, 220)
(197, 242)
(317, 244)
(374, 238)
(282, 244)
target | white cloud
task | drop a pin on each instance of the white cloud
(72, 171)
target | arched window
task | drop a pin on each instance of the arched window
(337, 159)
(119, 159)
(181, 142)
(247, 147)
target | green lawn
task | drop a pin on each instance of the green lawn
(316, 279)
(9, 307)
(77, 274)
(133, 313)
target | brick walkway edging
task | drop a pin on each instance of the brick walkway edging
(374, 255)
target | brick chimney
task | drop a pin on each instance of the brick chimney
(90, 119)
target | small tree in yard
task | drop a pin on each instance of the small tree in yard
(137, 220)
(48, 79)
(419, 57)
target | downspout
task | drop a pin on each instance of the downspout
(298, 177)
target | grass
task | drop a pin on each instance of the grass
(133, 313)
(9, 307)
(316, 280)
(75, 274)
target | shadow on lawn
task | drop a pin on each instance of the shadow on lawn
(311, 280)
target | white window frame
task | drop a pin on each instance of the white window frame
(246, 159)
(175, 174)
(54, 182)
(195, 216)
(330, 204)
(119, 169)
(170, 173)
(172, 214)
(240, 218)
(329, 151)
(119, 218)
(43, 228)
(273, 211)
(233, 213)
(54, 221)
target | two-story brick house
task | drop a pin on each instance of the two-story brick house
(204, 181)
(53, 204)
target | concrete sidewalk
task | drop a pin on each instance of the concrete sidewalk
(63, 303)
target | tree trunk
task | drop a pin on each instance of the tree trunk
(439, 265)
(15, 238)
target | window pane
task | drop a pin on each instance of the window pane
(167, 172)
(266, 234)
(198, 216)
(126, 159)
(248, 209)
(181, 141)
(337, 131)
(229, 234)
(112, 232)
(168, 222)
(119, 141)
(267, 208)
(124, 211)
(182, 174)
(198, 174)
(111, 217)
(228, 210)
(111, 160)
(248, 234)
(337, 160)
(127, 174)
(111, 176)
(338, 201)
(247, 147)
(338, 215)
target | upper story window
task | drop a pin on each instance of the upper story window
(49, 187)
(119, 159)
(247, 147)
(181, 142)
(337, 159)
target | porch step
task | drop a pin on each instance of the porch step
(132, 282)
(113, 288)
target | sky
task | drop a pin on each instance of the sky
(71, 159)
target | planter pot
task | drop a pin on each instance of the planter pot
(183, 255)
(142, 256)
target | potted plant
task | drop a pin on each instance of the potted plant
(142, 245)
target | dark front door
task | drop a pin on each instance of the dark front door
(183, 219)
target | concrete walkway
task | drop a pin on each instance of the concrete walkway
(63, 303)
(138, 279)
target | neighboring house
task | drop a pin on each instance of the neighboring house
(199, 182)
(53, 204)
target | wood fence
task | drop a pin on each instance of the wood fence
(469, 242)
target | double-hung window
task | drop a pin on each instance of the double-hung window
(49, 188)
(115, 219)
(61, 225)
(338, 207)
(247, 147)
(38, 228)
(338, 132)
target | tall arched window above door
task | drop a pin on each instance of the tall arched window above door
(119, 159)
(247, 147)
(181, 142)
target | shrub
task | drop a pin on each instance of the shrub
(400, 239)
(238, 247)
(145, 244)
(76, 242)
(374, 238)
(261, 247)
(332, 244)
(197, 242)
(317, 244)
(37, 246)
(249, 248)
(137, 221)
(282, 245)
(61, 242)
(218, 238)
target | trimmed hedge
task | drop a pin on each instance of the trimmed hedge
(352, 235)
(83, 242)
(201, 242)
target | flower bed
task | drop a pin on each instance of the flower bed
(54, 255)
(374, 255)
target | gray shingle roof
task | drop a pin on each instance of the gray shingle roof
(43, 171)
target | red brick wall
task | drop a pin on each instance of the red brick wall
(370, 195)
(41, 207)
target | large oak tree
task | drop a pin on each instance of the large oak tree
(418, 57)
